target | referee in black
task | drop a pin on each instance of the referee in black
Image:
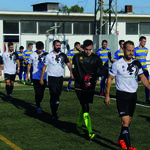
(85, 70)
(1, 65)
(126, 72)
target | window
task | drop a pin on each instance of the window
(64, 27)
(131, 28)
(44, 26)
(28, 27)
(11, 27)
(11, 38)
(81, 28)
(145, 28)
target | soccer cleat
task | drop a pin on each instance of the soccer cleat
(24, 83)
(55, 117)
(80, 130)
(122, 144)
(92, 136)
(31, 83)
(39, 110)
(131, 148)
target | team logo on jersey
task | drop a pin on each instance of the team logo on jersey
(132, 69)
(81, 58)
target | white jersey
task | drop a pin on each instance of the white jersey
(56, 63)
(38, 61)
(126, 74)
(10, 62)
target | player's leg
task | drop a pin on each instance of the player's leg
(39, 94)
(12, 80)
(69, 84)
(31, 78)
(146, 73)
(25, 73)
(20, 73)
(55, 89)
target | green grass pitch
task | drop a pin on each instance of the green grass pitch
(20, 124)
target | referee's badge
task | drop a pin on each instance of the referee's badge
(81, 58)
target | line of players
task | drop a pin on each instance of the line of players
(104, 53)
(85, 66)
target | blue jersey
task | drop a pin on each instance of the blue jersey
(118, 54)
(21, 60)
(71, 53)
(27, 54)
(140, 54)
(104, 54)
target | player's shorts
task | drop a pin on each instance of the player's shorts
(10, 76)
(36, 83)
(84, 96)
(55, 84)
(126, 103)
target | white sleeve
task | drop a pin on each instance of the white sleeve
(30, 60)
(140, 71)
(113, 70)
(46, 60)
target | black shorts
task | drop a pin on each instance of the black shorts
(10, 77)
(55, 84)
(126, 103)
(84, 96)
(36, 83)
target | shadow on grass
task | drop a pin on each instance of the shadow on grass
(146, 117)
(67, 127)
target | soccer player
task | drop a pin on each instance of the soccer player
(140, 54)
(21, 60)
(37, 59)
(119, 53)
(27, 54)
(85, 70)
(10, 58)
(71, 53)
(105, 54)
(55, 61)
(126, 72)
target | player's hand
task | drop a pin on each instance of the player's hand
(41, 82)
(18, 70)
(107, 100)
(27, 79)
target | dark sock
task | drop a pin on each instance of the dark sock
(8, 89)
(125, 136)
(11, 88)
(53, 109)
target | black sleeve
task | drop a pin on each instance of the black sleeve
(1, 60)
(66, 60)
(74, 68)
(137, 63)
(102, 70)
(17, 57)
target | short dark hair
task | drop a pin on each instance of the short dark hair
(30, 44)
(10, 44)
(87, 43)
(104, 41)
(120, 41)
(21, 47)
(39, 45)
(81, 46)
(142, 37)
(76, 43)
(128, 42)
(55, 41)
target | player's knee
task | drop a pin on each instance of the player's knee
(85, 108)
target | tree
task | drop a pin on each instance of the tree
(75, 8)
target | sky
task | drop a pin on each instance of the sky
(139, 7)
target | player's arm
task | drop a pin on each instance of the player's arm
(42, 74)
(144, 81)
(18, 64)
(109, 83)
(70, 68)
(28, 70)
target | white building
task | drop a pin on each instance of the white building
(24, 27)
